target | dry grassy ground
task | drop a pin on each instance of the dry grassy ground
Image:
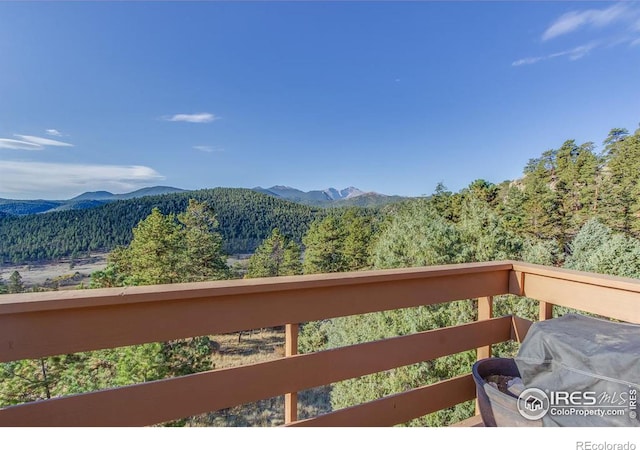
(253, 347)
(63, 271)
(70, 275)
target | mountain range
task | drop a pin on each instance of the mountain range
(83, 201)
(350, 196)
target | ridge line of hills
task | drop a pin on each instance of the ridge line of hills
(350, 196)
(246, 217)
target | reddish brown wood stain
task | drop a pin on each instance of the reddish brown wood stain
(43, 324)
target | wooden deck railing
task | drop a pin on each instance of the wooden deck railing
(52, 323)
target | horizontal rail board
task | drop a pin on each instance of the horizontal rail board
(164, 400)
(41, 301)
(605, 301)
(30, 332)
(399, 408)
(596, 279)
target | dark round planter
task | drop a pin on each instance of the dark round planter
(497, 408)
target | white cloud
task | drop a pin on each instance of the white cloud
(53, 132)
(207, 148)
(43, 141)
(14, 144)
(30, 143)
(577, 52)
(598, 18)
(573, 54)
(623, 18)
(22, 179)
(193, 118)
(530, 60)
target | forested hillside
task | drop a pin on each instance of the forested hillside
(246, 218)
(23, 207)
(560, 190)
(565, 187)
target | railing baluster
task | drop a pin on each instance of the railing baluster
(290, 349)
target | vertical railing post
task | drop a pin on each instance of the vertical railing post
(546, 311)
(290, 349)
(516, 283)
(485, 311)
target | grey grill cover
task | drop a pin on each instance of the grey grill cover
(576, 353)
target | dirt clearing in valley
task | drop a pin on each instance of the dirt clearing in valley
(66, 273)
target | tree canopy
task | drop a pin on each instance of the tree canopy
(276, 256)
(169, 249)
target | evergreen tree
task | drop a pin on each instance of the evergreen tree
(15, 284)
(276, 256)
(360, 229)
(202, 256)
(114, 274)
(621, 185)
(324, 243)
(541, 203)
(544, 252)
(482, 190)
(155, 253)
(510, 206)
(483, 235)
(165, 250)
(444, 202)
(597, 248)
(417, 236)
(577, 170)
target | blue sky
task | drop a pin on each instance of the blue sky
(388, 97)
